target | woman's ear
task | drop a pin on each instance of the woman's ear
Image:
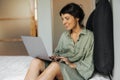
(77, 19)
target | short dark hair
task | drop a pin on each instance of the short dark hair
(75, 10)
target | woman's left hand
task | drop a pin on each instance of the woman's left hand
(72, 65)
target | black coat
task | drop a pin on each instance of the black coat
(101, 22)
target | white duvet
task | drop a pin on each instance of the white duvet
(15, 68)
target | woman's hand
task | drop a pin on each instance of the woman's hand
(63, 59)
(55, 58)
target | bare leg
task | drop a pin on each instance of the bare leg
(36, 66)
(52, 71)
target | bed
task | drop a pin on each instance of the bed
(15, 68)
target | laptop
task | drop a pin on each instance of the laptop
(35, 47)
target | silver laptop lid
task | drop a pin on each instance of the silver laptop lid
(35, 47)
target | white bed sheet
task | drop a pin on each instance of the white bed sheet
(14, 67)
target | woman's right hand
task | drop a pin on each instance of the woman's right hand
(55, 58)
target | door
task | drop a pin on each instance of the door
(17, 18)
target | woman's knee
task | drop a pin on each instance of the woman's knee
(57, 69)
(37, 62)
(55, 63)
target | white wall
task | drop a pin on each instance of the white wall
(45, 23)
(116, 16)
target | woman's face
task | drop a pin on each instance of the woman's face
(69, 21)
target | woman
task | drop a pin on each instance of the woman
(73, 57)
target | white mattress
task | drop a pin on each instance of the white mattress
(15, 68)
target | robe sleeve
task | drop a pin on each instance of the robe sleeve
(85, 66)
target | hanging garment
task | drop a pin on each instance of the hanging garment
(90, 21)
(101, 22)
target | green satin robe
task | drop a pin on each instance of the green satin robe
(79, 53)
